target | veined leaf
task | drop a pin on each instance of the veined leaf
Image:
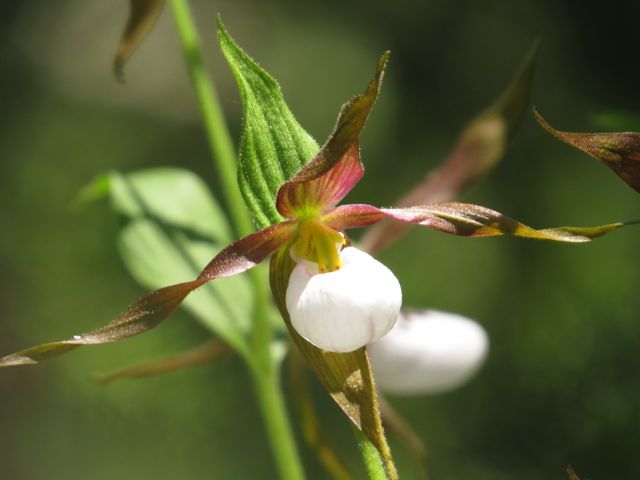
(175, 228)
(479, 148)
(273, 146)
(143, 15)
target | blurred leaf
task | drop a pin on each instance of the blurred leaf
(463, 219)
(199, 355)
(273, 146)
(176, 227)
(403, 431)
(153, 308)
(571, 473)
(312, 429)
(478, 149)
(346, 376)
(620, 151)
(336, 169)
(143, 15)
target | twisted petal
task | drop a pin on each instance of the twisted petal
(463, 219)
(153, 308)
(335, 170)
(620, 151)
(478, 149)
(428, 352)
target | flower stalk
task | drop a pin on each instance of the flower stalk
(263, 367)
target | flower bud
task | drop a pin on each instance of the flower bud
(346, 309)
(428, 352)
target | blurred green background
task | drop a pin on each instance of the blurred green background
(560, 385)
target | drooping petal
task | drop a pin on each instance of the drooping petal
(478, 149)
(428, 352)
(620, 151)
(335, 170)
(463, 219)
(153, 308)
(346, 309)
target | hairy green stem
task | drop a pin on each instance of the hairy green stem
(263, 366)
(371, 457)
(218, 137)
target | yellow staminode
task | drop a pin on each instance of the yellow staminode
(319, 244)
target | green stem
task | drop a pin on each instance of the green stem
(267, 384)
(371, 457)
(218, 137)
(263, 366)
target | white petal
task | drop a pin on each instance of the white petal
(428, 352)
(344, 310)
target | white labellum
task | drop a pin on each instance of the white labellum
(428, 352)
(346, 309)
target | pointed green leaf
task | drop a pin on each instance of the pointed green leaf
(620, 151)
(273, 146)
(479, 148)
(346, 376)
(196, 356)
(143, 15)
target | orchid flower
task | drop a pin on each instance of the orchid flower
(428, 352)
(312, 232)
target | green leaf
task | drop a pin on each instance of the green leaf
(175, 228)
(478, 149)
(273, 146)
(143, 15)
(620, 151)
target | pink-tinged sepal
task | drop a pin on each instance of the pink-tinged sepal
(620, 151)
(153, 308)
(468, 220)
(336, 169)
(352, 216)
(247, 252)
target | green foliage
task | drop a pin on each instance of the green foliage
(175, 227)
(273, 145)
